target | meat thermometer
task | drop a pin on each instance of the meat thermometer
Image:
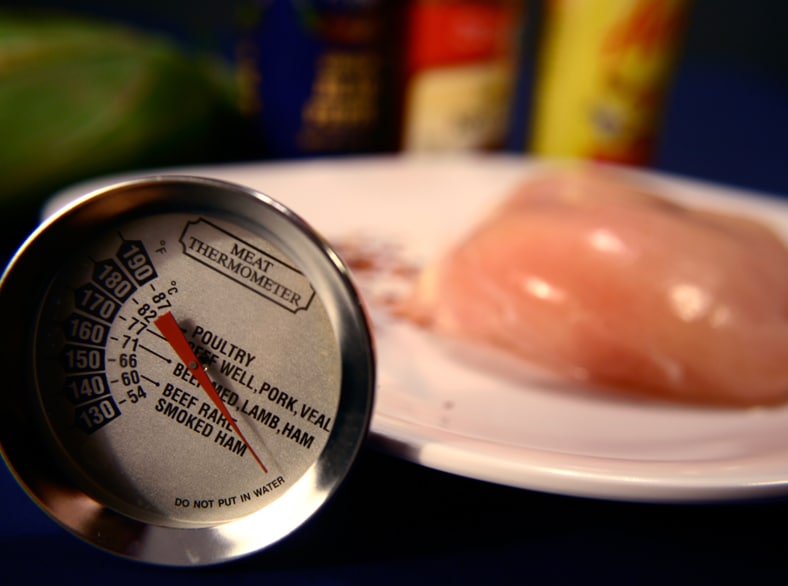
(189, 370)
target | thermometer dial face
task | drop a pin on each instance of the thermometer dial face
(128, 412)
(188, 371)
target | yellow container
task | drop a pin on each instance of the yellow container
(603, 71)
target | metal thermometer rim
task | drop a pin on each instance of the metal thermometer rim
(22, 287)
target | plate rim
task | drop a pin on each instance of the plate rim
(541, 470)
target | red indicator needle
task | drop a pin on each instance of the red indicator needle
(170, 329)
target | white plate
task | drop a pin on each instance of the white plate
(443, 412)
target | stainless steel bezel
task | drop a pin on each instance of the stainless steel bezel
(21, 290)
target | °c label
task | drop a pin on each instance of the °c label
(247, 265)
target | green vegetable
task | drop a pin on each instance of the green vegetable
(81, 98)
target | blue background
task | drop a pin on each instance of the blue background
(727, 113)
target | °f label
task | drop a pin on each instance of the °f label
(247, 265)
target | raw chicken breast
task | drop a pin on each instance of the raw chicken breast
(595, 278)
